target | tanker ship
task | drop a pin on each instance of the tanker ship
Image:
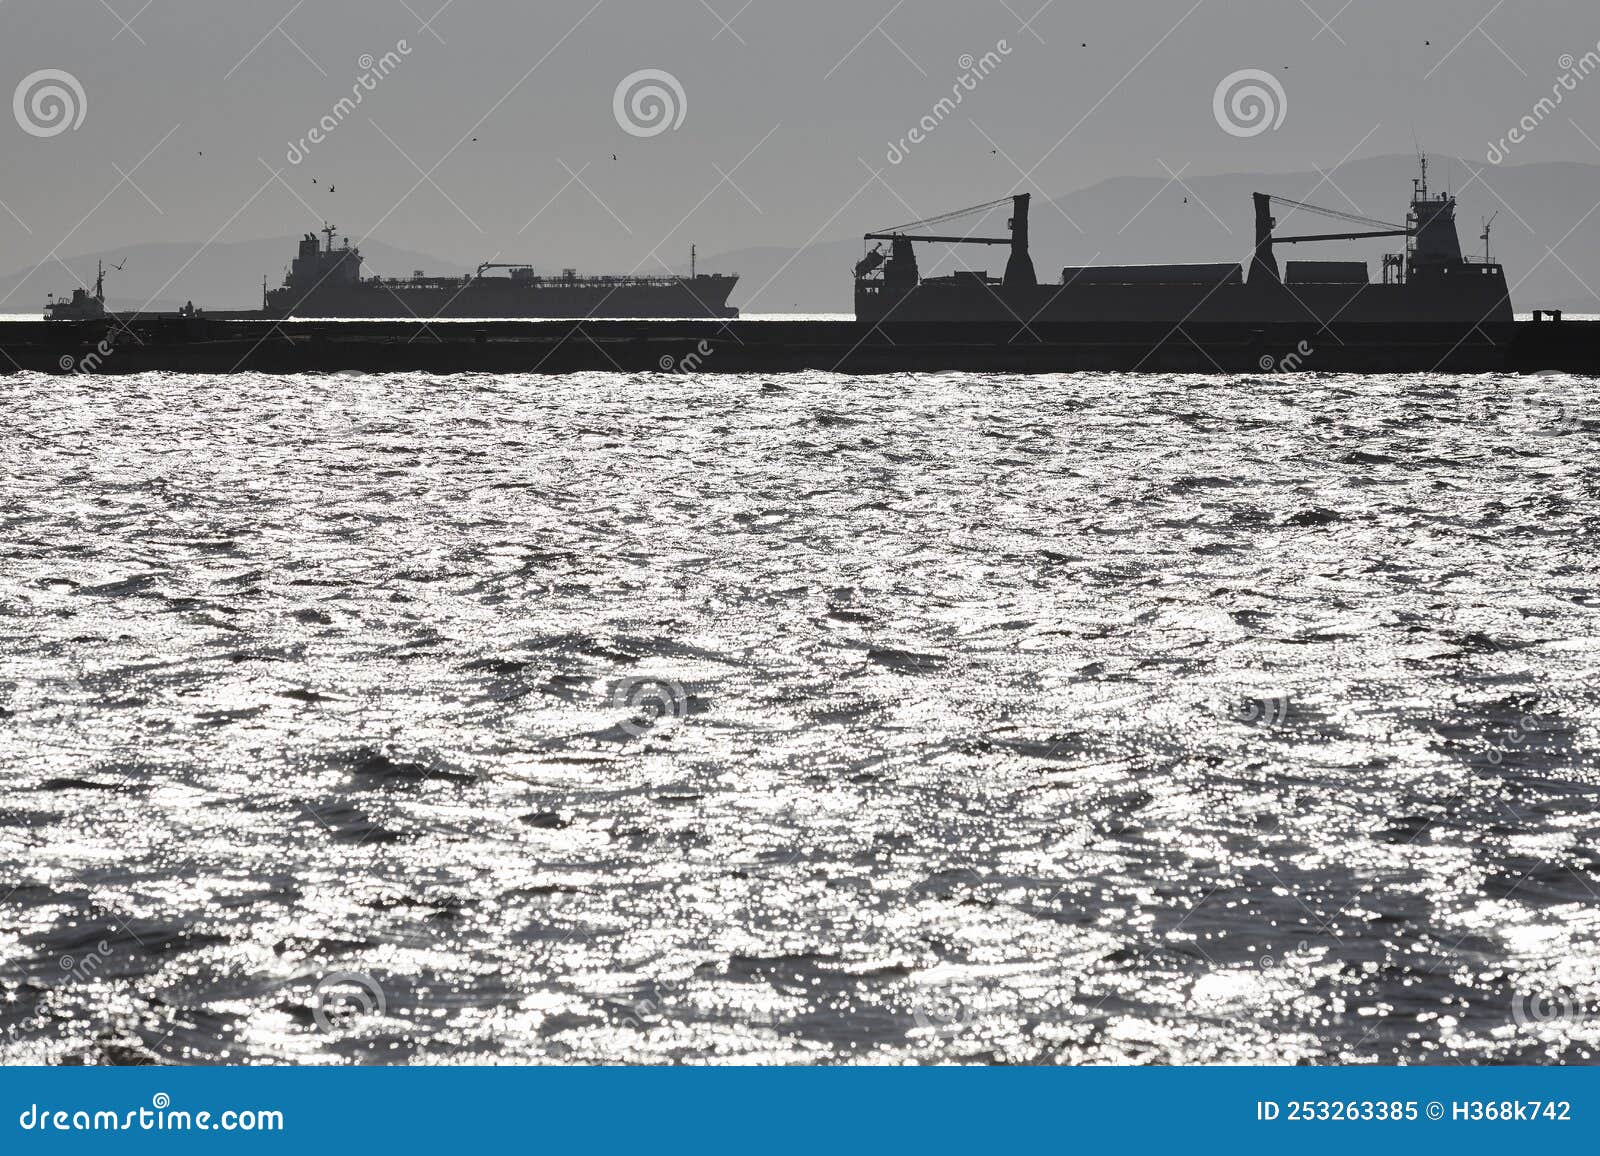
(1431, 283)
(325, 281)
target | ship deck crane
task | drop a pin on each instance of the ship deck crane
(501, 265)
(902, 265)
(1265, 264)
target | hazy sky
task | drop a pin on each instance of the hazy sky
(794, 100)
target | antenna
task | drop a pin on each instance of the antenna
(691, 262)
(1487, 225)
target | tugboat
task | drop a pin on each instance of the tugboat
(81, 306)
(1431, 283)
(327, 282)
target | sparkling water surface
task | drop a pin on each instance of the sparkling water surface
(799, 719)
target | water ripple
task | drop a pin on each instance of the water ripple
(819, 719)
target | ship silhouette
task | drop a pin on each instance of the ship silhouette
(82, 305)
(1431, 282)
(325, 281)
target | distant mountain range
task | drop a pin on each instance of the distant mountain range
(1128, 220)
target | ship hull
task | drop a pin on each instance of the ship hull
(700, 297)
(1468, 299)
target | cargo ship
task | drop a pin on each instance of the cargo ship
(325, 281)
(1431, 283)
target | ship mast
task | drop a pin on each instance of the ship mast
(1419, 193)
(100, 278)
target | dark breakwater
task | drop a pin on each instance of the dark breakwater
(251, 345)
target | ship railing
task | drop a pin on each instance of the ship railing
(602, 279)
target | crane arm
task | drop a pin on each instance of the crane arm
(1339, 214)
(1341, 236)
(941, 240)
(950, 216)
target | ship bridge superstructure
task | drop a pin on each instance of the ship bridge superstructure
(318, 265)
(1433, 246)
